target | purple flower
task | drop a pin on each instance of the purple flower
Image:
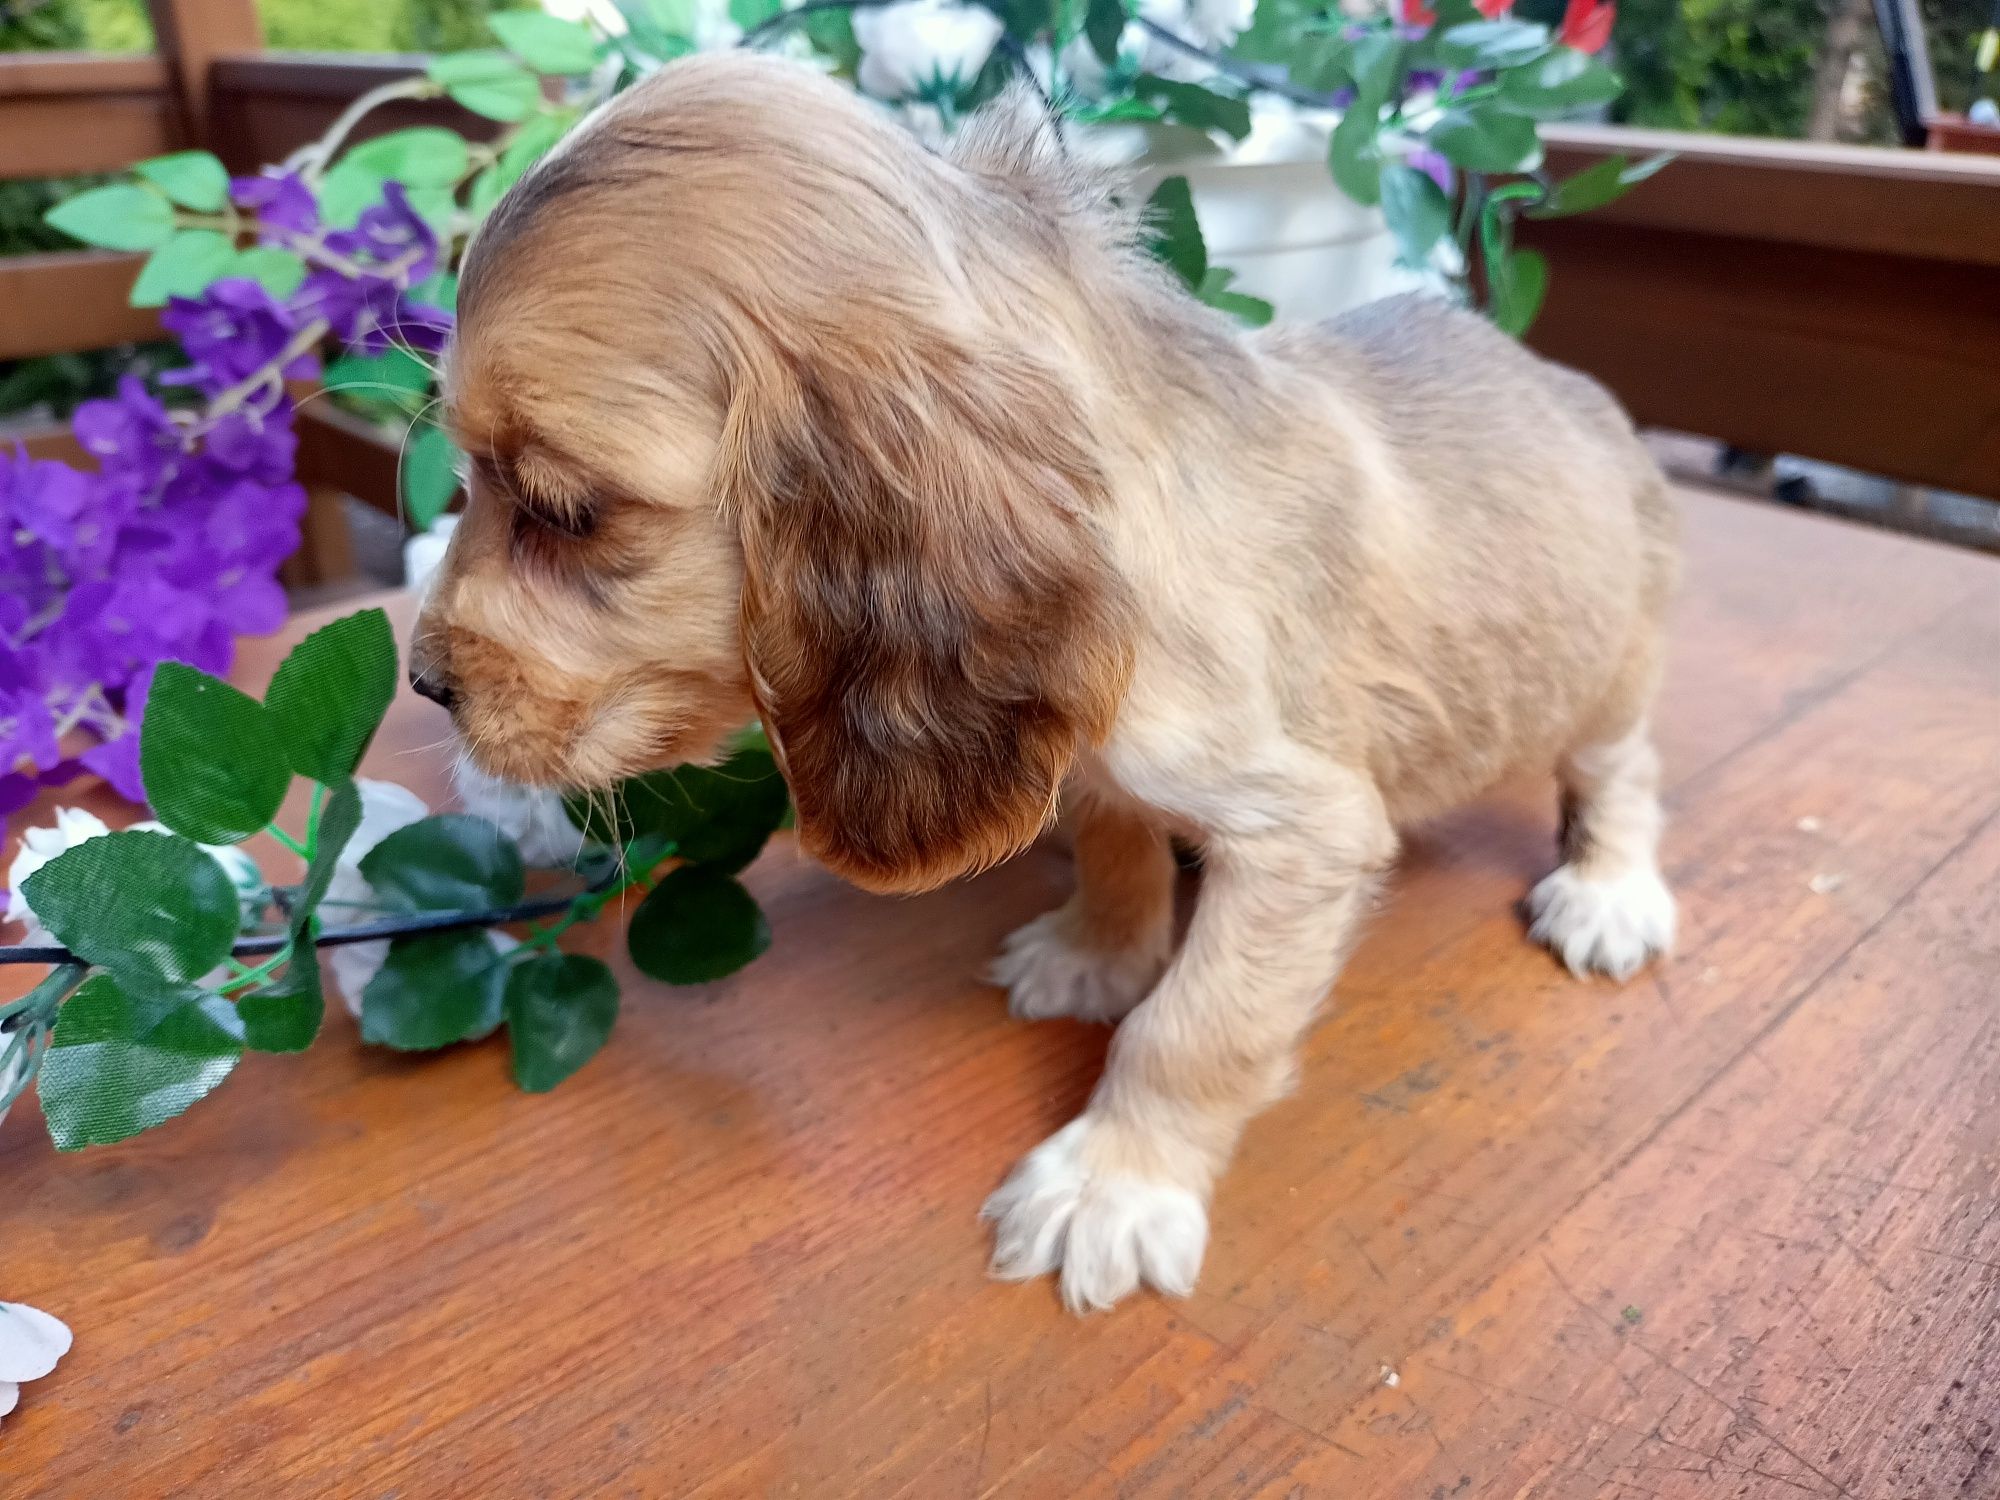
(370, 314)
(136, 444)
(231, 331)
(1434, 166)
(393, 235)
(227, 553)
(53, 503)
(27, 731)
(254, 444)
(281, 201)
(117, 759)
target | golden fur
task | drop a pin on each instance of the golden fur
(921, 460)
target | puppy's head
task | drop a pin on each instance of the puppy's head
(747, 436)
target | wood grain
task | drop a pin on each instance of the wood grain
(1731, 1230)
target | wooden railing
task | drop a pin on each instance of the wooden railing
(1841, 303)
(1834, 302)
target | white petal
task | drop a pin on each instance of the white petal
(423, 553)
(73, 826)
(353, 965)
(532, 816)
(385, 807)
(30, 1342)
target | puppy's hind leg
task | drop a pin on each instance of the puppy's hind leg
(1606, 909)
(1096, 956)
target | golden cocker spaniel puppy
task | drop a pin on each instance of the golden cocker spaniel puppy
(921, 460)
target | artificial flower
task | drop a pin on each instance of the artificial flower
(76, 825)
(385, 807)
(922, 48)
(31, 1342)
(1586, 24)
(73, 825)
(534, 817)
(423, 554)
(281, 201)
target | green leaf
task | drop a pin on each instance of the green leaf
(1484, 138)
(1559, 84)
(1251, 312)
(328, 695)
(1378, 71)
(529, 145)
(559, 1012)
(1491, 44)
(393, 373)
(193, 179)
(183, 267)
(697, 924)
(1517, 290)
(346, 191)
(1104, 25)
(119, 217)
(338, 820)
(1417, 210)
(119, 1064)
(1175, 232)
(546, 43)
(487, 83)
(279, 272)
(424, 156)
(1191, 104)
(451, 862)
(434, 990)
(719, 816)
(1354, 156)
(151, 907)
(1596, 185)
(750, 14)
(429, 475)
(213, 764)
(285, 1017)
(439, 289)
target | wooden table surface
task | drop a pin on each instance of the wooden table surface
(1731, 1230)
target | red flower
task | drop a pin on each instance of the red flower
(1493, 10)
(1587, 24)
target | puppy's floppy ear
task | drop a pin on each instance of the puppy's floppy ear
(931, 623)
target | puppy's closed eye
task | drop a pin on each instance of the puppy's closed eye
(545, 495)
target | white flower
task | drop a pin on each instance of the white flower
(75, 826)
(532, 816)
(385, 807)
(1085, 71)
(919, 46)
(1214, 24)
(252, 890)
(40, 845)
(30, 1344)
(423, 553)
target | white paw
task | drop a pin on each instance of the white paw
(1106, 1230)
(1046, 972)
(1607, 925)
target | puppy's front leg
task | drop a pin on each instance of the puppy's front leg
(1097, 955)
(1120, 1194)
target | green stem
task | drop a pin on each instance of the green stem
(288, 841)
(263, 970)
(542, 939)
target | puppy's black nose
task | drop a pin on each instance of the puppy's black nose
(434, 685)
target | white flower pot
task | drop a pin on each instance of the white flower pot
(1270, 212)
